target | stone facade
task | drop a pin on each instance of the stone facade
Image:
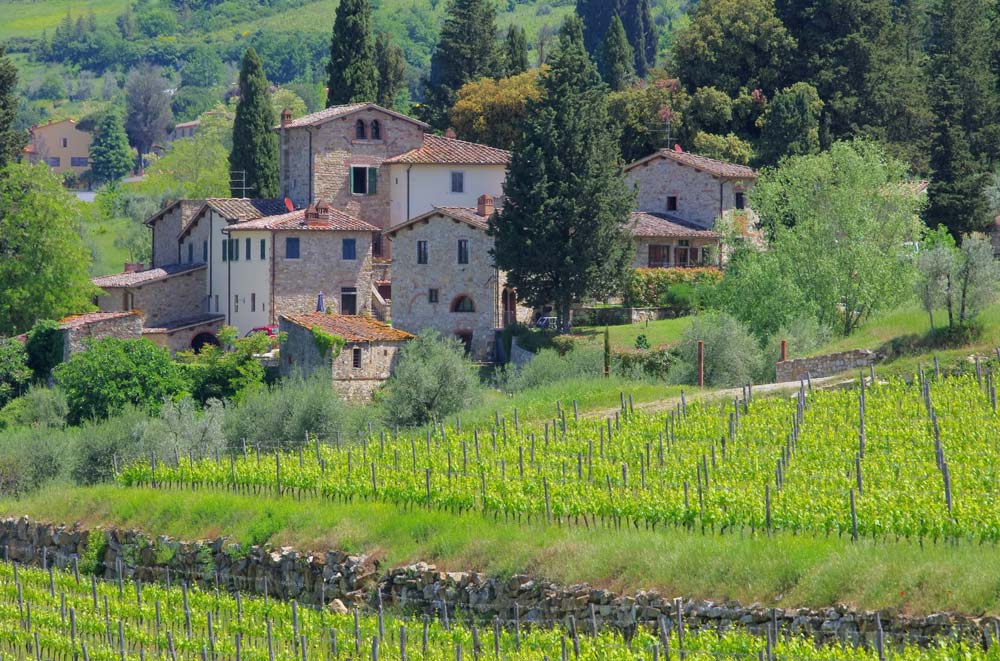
(701, 197)
(167, 226)
(79, 330)
(351, 380)
(479, 280)
(643, 258)
(819, 366)
(320, 268)
(174, 297)
(182, 334)
(330, 576)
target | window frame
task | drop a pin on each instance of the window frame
(672, 202)
(375, 130)
(204, 250)
(190, 253)
(422, 252)
(225, 250)
(353, 252)
(293, 241)
(79, 161)
(458, 306)
(739, 200)
(356, 357)
(370, 180)
(249, 248)
(360, 130)
(263, 249)
(349, 291)
(463, 251)
(461, 182)
(433, 295)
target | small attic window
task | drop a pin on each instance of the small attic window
(360, 130)
(376, 131)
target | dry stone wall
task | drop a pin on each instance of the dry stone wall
(819, 366)
(341, 580)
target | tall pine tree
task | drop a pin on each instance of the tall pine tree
(617, 59)
(255, 144)
(391, 63)
(353, 75)
(562, 234)
(11, 140)
(961, 87)
(637, 19)
(110, 156)
(466, 51)
(515, 51)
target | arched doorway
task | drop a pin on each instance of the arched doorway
(203, 339)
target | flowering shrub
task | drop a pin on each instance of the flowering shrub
(658, 287)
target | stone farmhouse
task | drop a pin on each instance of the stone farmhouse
(684, 203)
(365, 362)
(444, 278)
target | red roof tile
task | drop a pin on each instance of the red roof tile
(183, 323)
(335, 112)
(438, 149)
(243, 208)
(145, 277)
(661, 225)
(463, 214)
(351, 328)
(338, 221)
(81, 320)
(710, 165)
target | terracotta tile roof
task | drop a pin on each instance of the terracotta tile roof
(243, 208)
(81, 320)
(710, 165)
(145, 277)
(915, 187)
(351, 328)
(662, 225)
(188, 209)
(335, 112)
(181, 324)
(438, 149)
(338, 221)
(463, 214)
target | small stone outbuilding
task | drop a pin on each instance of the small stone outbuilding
(366, 361)
(665, 241)
(79, 330)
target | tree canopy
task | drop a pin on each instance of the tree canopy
(110, 156)
(353, 74)
(255, 144)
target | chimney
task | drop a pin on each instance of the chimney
(286, 117)
(450, 133)
(133, 267)
(485, 206)
(318, 215)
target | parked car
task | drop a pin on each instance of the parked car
(270, 331)
(546, 322)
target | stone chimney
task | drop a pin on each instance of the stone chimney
(319, 214)
(450, 133)
(134, 267)
(286, 117)
(485, 206)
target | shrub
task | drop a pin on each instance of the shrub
(29, 459)
(645, 364)
(40, 407)
(668, 287)
(113, 373)
(732, 355)
(548, 366)
(217, 373)
(14, 371)
(433, 379)
(803, 336)
(44, 347)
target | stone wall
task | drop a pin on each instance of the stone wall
(320, 268)
(167, 228)
(701, 197)
(818, 366)
(124, 327)
(313, 578)
(173, 297)
(619, 316)
(642, 244)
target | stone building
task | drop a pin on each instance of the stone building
(693, 190)
(444, 278)
(61, 146)
(80, 329)
(662, 242)
(365, 362)
(166, 225)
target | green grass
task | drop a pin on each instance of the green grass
(665, 332)
(782, 570)
(28, 18)
(100, 237)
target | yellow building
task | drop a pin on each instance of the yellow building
(61, 145)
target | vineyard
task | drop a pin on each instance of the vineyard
(917, 461)
(51, 614)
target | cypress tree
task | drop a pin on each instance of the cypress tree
(466, 51)
(515, 51)
(353, 75)
(391, 64)
(637, 18)
(255, 144)
(596, 16)
(562, 234)
(617, 57)
(11, 140)
(110, 156)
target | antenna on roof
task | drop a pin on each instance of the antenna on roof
(238, 183)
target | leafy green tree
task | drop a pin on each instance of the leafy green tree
(391, 64)
(732, 355)
(11, 139)
(203, 67)
(43, 261)
(493, 112)
(195, 168)
(790, 125)
(255, 144)
(733, 44)
(644, 116)
(229, 372)
(710, 110)
(112, 374)
(637, 20)
(45, 347)
(147, 108)
(563, 233)
(466, 51)
(432, 380)
(617, 58)
(15, 375)
(110, 156)
(353, 74)
(729, 147)
(965, 108)
(515, 51)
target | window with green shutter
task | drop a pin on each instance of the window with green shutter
(372, 181)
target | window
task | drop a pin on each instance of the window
(65, 143)
(463, 304)
(659, 256)
(740, 200)
(263, 248)
(432, 295)
(190, 253)
(216, 302)
(463, 251)
(376, 130)
(359, 130)
(127, 301)
(253, 302)
(248, 250)
(672, 203)
(421, 252)
(236, 249)
(376, 244)
(457, 182)
(364, 180)
(356, 357)
(225, 250)
(236, 303)
(350, 249)
(78, 161)
(53, 161)
(348, 300)
(204, 251)
(292, 247)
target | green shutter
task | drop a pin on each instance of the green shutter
(351, 175)
(372, 181)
